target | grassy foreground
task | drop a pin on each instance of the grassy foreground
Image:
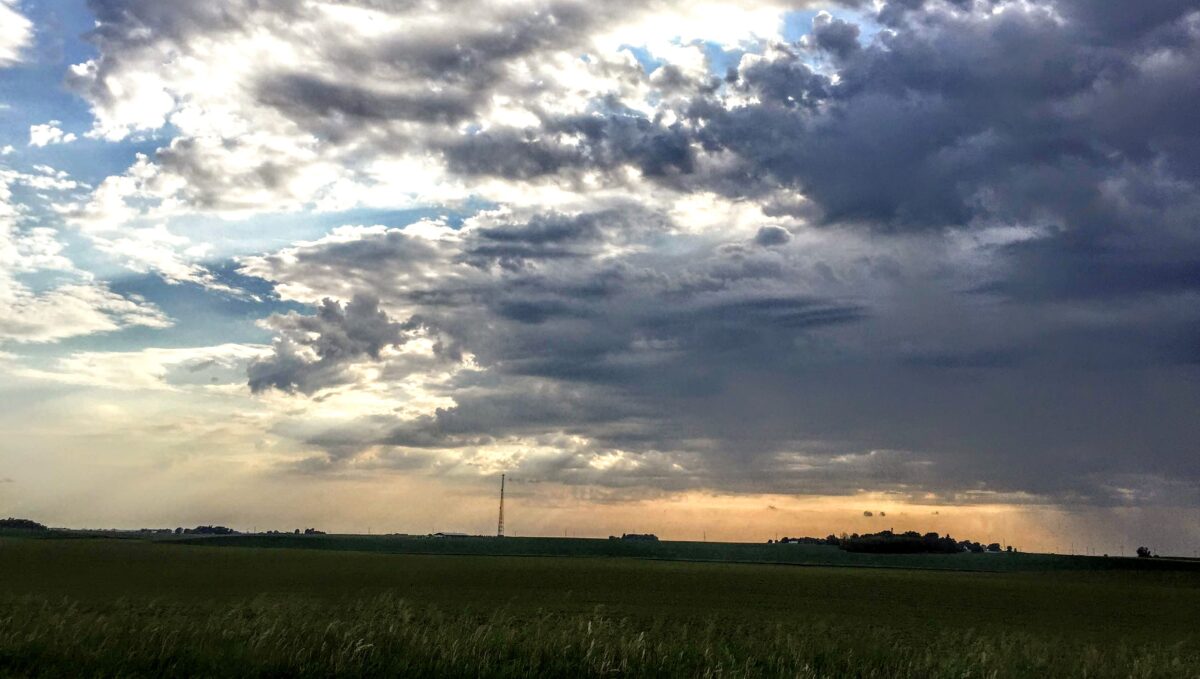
(130, 608)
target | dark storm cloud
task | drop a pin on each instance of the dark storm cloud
(579, 349)
(772, 235)
(888, 343)
(337, 337)
(608, 141)
(679, 367)
(836, 36)
(301, 95)
(551, 236)
(548, 236)
(957, 117)
(1119, 21)
(450, 72)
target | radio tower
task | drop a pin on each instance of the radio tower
(500, 524)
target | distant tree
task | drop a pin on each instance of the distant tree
(209, 530)
(1144, 552)
(994, 547)
(909, 542)
(22, 524)
(179, 531)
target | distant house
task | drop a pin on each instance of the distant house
(450, 535)
(640, 537)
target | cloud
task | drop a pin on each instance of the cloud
(835, 36)
(313, 351)
(770, 235)
(617, 331)
(48, 134)
(16, 34)
(931, 247)
(71, 309)
(154, 369)
(323, 127)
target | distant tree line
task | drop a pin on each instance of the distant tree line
(222, 530)
(637, 537)
(887, 542)
(22, 524)
(831, 540)
(206, 530)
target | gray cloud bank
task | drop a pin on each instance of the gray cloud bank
(977, 266)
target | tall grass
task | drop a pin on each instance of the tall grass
(385, 635)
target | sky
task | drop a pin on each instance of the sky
(714, 270)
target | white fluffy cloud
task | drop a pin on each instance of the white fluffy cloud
(271, 120)
(69, 311)
(48, 134)
(81, 307)
(16, 33)
(154, 369)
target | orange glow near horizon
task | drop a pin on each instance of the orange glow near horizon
(424, 504)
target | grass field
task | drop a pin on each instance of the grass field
(87, 607)
(738, 552)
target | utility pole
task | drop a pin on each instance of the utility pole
(500, 523)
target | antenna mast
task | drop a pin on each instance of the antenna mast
(500, 524)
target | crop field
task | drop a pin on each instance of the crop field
(111, 607)
(733, 552)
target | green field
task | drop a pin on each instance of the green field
(737, 552)
(87, 607)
